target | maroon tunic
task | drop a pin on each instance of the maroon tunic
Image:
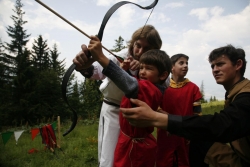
(177, 101)
(136, 147)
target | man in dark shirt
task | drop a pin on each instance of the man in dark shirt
(229, 125)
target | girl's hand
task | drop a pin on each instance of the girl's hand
(125, 65)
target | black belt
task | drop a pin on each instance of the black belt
(110, 103)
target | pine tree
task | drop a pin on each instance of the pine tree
(1, 58)
(40, 61)
(5, 88)
(57, 65)
(118, 45)
(5, 77)
(211, 99)
(16, 60)
(47, 101)
(3, 80)
(49, 72)
(24, 88)
(91, 98)
(40, 53)
(74, 98)
(18, 38)
(202, 93)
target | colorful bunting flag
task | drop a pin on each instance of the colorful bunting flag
(6, 136)
(34, 133)
(17, 134)
(54, 125)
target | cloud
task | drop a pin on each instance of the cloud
(38, 17)
(111, 2)
(174, 5)
(43, 18)
(158, 17)
(126, 15)
(6, 8)
(219, 29)
(206, 13)
(201, 13)
(6, 11)
(105, 2)
(28, 2)
(216, 11)
(232, 28)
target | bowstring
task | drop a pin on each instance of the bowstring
(146, 22)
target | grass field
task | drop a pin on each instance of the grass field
(212, 107)
(79, 147)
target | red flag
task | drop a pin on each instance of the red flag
(33, 150)
(34, 132)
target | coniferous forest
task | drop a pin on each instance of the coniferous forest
(30, 80)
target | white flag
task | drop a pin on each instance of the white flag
(18, 134)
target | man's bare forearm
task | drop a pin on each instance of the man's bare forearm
(160, 121)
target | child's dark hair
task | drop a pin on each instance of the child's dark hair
(157, 58)
(234, 54)
(176, 57)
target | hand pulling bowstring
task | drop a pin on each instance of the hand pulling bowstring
(100, 34)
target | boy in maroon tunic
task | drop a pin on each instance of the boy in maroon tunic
(136, 147)
(181, 98)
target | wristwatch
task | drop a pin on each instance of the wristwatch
(87, 72)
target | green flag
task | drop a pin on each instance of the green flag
(54, 125)
(6, 136)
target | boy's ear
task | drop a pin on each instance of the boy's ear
(164, 75)
(172, 69)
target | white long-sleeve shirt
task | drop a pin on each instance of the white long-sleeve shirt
(109, 90)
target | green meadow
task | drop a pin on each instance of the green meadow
(78, 148)
(212, 107)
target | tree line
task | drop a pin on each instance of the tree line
(30, 80)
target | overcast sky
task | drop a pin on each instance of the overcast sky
(192, 27)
